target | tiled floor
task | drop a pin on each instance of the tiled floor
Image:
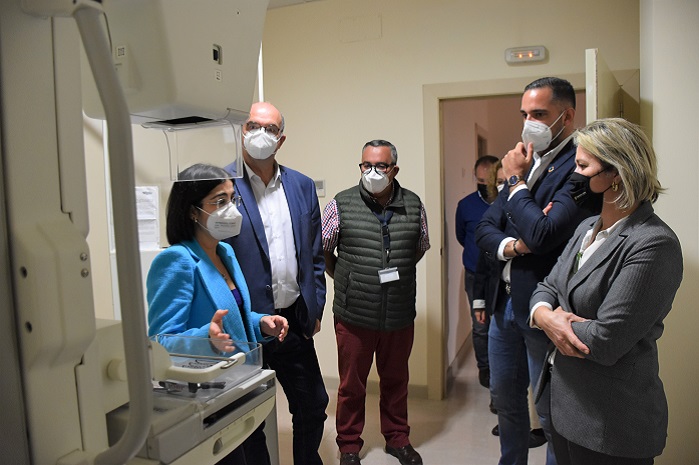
(455, 431)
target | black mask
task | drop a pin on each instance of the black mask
(483, 190)
(581, 192)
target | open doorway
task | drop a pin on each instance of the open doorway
(436, 272)
(443, 342)
(472, 127)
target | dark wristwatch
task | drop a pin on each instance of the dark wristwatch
(514, 180)
(514, 248)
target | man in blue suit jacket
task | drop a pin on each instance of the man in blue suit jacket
(526, 229)
(279, 249)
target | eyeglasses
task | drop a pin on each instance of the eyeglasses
(272, 129)
(223, 201)
(383, 167)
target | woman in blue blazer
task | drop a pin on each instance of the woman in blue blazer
(603, 306)
(196, 287)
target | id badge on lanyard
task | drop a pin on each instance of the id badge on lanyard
(388, 274)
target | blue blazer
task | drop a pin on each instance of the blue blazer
(613, 401)
(253, 251)
(184, 290)
(545, 235)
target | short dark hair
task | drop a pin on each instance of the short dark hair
(485, 159)
(193, 184)
(562, 90)
(383, 143)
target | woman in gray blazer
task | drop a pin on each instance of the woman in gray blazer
(603, 306)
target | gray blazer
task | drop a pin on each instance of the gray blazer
(613, 400)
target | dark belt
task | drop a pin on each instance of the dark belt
(291, 307)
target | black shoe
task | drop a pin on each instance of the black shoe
(496, 430)
(493, 410)
(349, 458)
(406, 455)
(484, 377)
(536, 438)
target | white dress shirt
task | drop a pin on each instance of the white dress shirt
(274, 210)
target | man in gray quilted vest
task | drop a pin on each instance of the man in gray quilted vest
(373, 236)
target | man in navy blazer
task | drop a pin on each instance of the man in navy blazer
(279, 249)
(526, 229)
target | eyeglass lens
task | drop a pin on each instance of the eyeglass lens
(383, 167)
(220, 202)
(272, 129)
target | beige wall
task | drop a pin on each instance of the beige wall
(338, 91)
(346, 72)
(669, 98)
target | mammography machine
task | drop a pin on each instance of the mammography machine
(77, 390)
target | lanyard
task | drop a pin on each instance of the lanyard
(384, 218)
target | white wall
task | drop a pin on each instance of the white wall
(337, 92)
(669, 99)
(347, 72)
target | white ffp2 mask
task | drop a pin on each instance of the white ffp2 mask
(224, 222)
(259, 144)
(374, 181)
(539, 134)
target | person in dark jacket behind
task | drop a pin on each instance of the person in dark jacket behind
(469, 212)
(380, 232)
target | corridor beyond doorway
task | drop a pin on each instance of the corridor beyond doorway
(472, 127)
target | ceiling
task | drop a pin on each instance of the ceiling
(281, 3)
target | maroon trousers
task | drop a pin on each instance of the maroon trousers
(356, 347)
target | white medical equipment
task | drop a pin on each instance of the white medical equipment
(206, 402)
(63, 371)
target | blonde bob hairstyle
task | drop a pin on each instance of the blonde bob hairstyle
(623, 146)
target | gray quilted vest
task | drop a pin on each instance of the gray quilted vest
(360, 298)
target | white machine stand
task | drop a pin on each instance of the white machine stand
(55, 384)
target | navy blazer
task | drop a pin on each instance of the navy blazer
(612, 401)
(522, 218)
(252, 249)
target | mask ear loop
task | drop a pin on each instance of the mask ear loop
(564, 126)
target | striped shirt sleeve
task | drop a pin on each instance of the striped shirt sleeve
(330, 226)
